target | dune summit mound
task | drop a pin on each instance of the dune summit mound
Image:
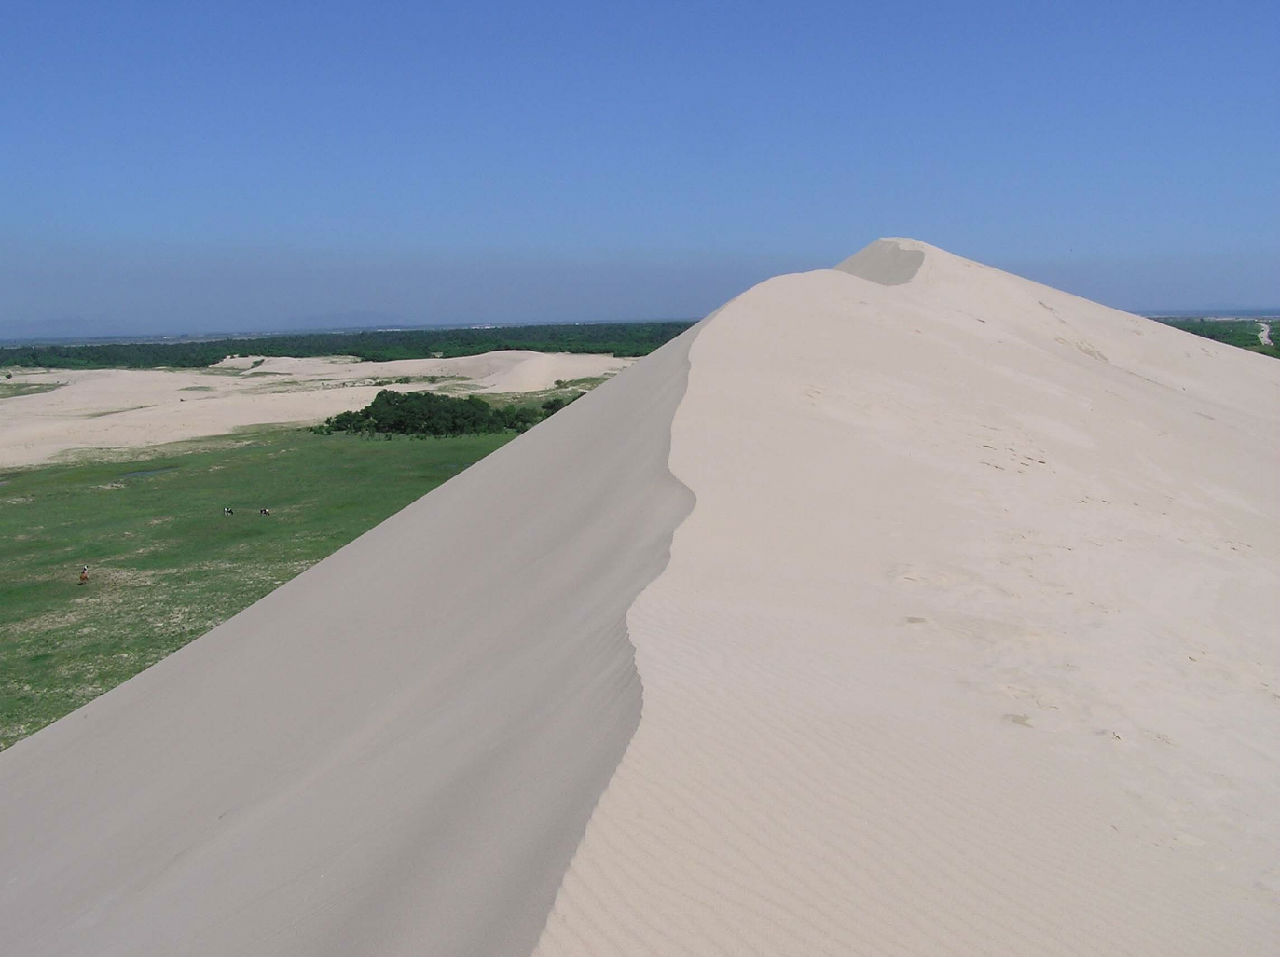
(889, 262)
(907, 606)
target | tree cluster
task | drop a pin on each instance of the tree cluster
(618, 338)
(429, 413)
(1242, 333)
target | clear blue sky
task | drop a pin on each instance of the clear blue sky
(193, 167)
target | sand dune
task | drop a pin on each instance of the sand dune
(964, 644)
(969, 643)
(134, 408)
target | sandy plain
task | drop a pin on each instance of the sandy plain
(903, 607)
(129, 409)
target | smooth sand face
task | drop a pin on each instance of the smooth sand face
(889, 262)
(968, 645)
(127, 408)
(397, 751)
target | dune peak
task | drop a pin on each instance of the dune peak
(890, 262)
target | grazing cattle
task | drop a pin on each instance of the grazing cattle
(84, 574)
(264, 511)
(227, 511)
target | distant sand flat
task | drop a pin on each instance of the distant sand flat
(953, 603)
(136, 408)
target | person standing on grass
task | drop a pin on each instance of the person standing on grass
(84, 575)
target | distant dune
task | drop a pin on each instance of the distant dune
(902, 607)
(96, 409)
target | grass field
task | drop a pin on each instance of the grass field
(165, 563)
(1242, 333)
(10, 389)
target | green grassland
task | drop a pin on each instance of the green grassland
(10, 389)
(165, 563)
(1242, 333)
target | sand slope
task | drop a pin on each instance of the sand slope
(969, 645)
(966, 645)
(396, 752)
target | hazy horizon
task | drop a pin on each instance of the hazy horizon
(182, 302)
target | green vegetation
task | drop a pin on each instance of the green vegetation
(619, 338)
(429, 413)
(10, 389)
(1234, 332)
(408, 379)
(165, 563)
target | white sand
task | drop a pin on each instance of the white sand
(969, 645)
(966, 646)
(124, 408)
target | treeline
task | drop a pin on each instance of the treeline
(619, 338)
(429, 413)
(1242, 333)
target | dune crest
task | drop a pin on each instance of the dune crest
(968, 644)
